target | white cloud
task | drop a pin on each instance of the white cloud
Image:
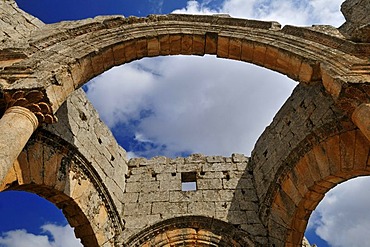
(184, 103)
(156, 5)
(61, 236)
(141, 137)
(240, 8)
(131, 155)
(194, 7)
(327, 12)
(213, 106)
(120, 93)
(300, 13)
(342, 217)
(205, 105)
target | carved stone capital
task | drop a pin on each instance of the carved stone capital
(34, 101)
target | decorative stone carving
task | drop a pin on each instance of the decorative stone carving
(32, 100)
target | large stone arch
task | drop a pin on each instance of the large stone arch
(332, 161)
(62, 57)
(56, 171)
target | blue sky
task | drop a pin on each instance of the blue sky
(156, 113)
(56, 10)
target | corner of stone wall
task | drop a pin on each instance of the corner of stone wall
(15, 24)
(79, 124)
(357, 25)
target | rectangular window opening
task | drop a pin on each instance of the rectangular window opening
(188, 181)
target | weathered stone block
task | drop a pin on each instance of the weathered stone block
(202, 208)
(186, 196)
(169, 208)
(158, 196)
(137, 208)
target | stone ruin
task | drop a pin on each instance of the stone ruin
(54, 144)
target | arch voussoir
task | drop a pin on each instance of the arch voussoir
(58, 174)
(327, 164)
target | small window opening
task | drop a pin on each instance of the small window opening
(188, 181)
(227, 175)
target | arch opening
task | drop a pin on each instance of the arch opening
(257, 42)
(333, 161)
(343, 211)
(175, 106)
(53, 169)
(26, 216)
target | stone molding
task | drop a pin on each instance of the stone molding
(217, 233)
(86, 171)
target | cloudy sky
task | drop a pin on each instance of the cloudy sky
(183, 104)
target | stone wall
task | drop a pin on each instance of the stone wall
(16, 25)
(309, 116)
(224, 191)
(77, 165)
(79, 125)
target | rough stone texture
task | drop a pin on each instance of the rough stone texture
(361, 118)
(305, 243)
(78, 165)
(16, 25)
(80, 126)
(307, 117)
(318, 139)
(357, 24)
(224, 192)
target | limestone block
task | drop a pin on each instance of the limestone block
(218, 195)
(219, 167)
(169, 208)
(202, 208)
(137, 208)
(170, 185)
(158, 196)
(212, 184)
(186, 196)
(130, 197)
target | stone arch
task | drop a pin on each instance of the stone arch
(66, 55)
(190, 231)
(334, 160)
(53, 169)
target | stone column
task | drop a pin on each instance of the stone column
(25, 111)
(361, 117)
(16, 127)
